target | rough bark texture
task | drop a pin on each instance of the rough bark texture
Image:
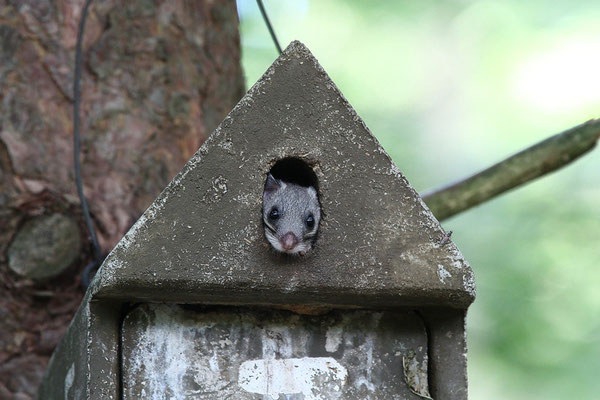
(158, 77)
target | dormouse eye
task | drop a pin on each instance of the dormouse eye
(310, 221)
(274, 214)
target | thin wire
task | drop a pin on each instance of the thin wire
(268, 23)
(76, 146)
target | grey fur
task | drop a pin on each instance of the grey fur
(294, 203)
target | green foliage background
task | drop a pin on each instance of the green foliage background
(449, 88)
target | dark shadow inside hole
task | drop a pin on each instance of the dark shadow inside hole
(295, 170)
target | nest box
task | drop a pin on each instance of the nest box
(193, 302)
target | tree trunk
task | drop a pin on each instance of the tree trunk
(158, 76)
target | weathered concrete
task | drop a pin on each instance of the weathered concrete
(202, 240)
(447, 335)
(85, 365)
(221, 353)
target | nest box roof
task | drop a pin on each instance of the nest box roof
(202, 239)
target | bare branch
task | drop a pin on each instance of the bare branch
(540, 159)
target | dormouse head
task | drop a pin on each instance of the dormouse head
(291, 215)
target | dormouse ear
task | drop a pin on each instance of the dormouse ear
(272, 185)
(313, 192)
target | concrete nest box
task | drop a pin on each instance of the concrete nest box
(242, 320)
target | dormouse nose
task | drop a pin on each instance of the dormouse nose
(288, 241)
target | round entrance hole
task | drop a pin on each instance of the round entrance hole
(291, 207)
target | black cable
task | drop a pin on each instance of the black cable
(76, 148)
(268, 23)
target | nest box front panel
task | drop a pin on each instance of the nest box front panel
(202, 240)
(223, 352)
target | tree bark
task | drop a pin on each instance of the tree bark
(158, 77)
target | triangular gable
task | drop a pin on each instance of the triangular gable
(202, 240)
